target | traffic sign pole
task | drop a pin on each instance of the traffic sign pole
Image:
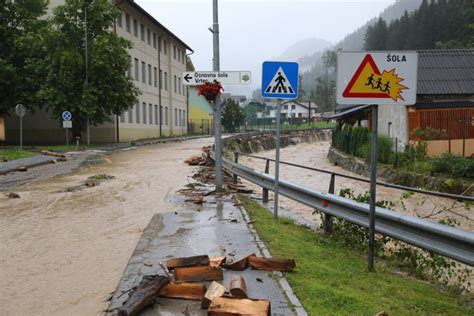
(373, 187)
(277, 160)
(21, 132)
(217, 102)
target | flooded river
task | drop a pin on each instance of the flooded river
(63, 253)
(314, 155)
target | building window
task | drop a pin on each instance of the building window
(144, 112)
(122, 117)
(166, 115)
(127, 22)
(148, 36)
(150, 113)
(156, 114)
(130, 114)
(129, 70)
(119, 20)
(154, 40)
(184, 117)
(137, 112)
(174, 51)
(389, 129)
(161, 115)
(285, 107)
(166, 81)
(142, 32)
(161, 79)
(143, 72)
(179, 54)
(149, 74)
(165, 47)
(179, 117)
(136, 70)
(174, 86)
(155, 77)
(135, 27)
(293, 107)
(179, 85)
(175, 117)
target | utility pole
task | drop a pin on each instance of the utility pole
(87, 65)
(217, 101)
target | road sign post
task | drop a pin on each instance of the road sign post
(20, 111)
(279, 81)
(67, 124)
(380, 79)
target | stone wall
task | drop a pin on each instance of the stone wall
(400, 177)
(254, 143)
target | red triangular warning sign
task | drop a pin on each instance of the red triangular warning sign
(363, 84)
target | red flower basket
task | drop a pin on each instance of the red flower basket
(210, 90)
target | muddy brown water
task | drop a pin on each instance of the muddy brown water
(63, 253)
(314, 155)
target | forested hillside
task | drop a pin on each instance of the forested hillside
(436, 24)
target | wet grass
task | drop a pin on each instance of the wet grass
(12, 154)
(331, 280)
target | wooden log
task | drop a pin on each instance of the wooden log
(51, 153)
(239, 264)
(187, 262)
(237, 286)
(272, 264)
(143, 295)
(226, 306)
(190, 291)
(197, 274)
(217, 261)
(214, 290)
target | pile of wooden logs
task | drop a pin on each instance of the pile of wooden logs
(184, 282)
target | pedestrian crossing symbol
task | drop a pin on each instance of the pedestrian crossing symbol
(280, 80)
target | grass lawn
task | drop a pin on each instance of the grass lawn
(12, 154)
(308, 125)
(63, 147)
(331, 280)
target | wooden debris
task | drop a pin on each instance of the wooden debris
(91, 183)
(214, 290)
(239, 264)
(51, 153)
(13, 195)
(22, 169)
(237, 286)
(198, 274)
(271, 264)
(194, 160)
(143, 295)
(217, 261)
(190, 291)
(225, 306)
(187, 262)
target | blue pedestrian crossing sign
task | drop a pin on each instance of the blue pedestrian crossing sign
(280, 80)
(67, 116)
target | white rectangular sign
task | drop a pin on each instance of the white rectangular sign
(384, 78)
(224, 77)
(67, 124)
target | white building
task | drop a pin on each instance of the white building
(158, 58)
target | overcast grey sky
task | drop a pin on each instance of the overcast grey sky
(253, 31)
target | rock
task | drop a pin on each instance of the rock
(13, 195)
(22, 169)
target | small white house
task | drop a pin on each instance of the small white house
(297, 109)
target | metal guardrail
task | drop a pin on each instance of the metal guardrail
(385, 184)
(444, 240)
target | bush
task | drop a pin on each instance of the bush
(454, 165)
(350, 139)
(384, 150)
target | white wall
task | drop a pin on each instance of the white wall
(398, 117)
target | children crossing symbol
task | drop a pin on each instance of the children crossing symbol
(280, 80)
(280, 83)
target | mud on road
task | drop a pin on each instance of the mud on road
(63, 251)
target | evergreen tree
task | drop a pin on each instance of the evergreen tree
(232, 116)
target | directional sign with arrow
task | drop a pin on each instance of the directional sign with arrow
(224, 77)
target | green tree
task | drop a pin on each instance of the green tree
(376, 36)
(108, 90)
(22, 34)
(232, 116)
